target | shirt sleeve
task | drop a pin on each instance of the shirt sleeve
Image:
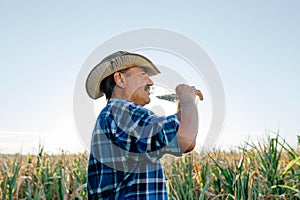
(141, 134)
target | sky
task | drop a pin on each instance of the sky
(254, 45)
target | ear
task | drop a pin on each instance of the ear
(120, 79)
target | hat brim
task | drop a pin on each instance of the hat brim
(108, 66)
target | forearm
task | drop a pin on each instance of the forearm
(188, 115)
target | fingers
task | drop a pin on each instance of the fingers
(187, 89)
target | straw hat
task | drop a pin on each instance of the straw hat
(115, 62)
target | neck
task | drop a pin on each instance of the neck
(120, 94)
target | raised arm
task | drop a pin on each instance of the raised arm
(188, 115)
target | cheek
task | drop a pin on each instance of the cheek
(137, 85)
(138, 91)
(139, 94)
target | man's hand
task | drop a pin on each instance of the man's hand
(186, 94)
(185, 91)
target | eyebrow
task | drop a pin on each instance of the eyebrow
(143, 69)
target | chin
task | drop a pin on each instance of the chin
(148, 100)
(145, 102)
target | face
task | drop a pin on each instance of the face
(138, 85)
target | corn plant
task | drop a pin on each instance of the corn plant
(266, 170)
(43, 176)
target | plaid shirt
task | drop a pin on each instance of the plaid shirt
(127, 143)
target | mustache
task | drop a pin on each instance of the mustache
(147, 88)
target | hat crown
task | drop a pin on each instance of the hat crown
(114, 56)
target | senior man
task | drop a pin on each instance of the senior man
(128, 140)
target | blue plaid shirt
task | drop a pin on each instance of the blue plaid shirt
(127, 143)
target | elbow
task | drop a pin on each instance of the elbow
(186, 148)
(191, 147)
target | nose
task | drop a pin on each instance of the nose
(149, 81)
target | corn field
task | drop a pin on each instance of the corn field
(267, 170)
(43, 176)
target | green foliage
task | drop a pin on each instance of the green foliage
(43, 176)
(257, 171)
(268, 170)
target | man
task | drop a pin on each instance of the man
(128, 140)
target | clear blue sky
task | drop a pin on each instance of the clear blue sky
(255, 46)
